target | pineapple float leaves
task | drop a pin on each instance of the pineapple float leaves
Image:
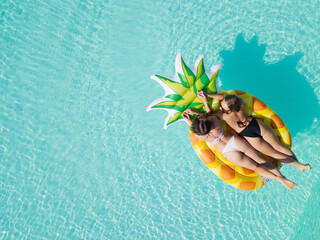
(181, 90)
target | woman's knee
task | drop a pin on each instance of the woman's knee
(253, 165)
(279, 147)
(270, 150)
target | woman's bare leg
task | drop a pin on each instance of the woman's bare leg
(262, 146)
(281, 153)
(244, 161)
(248, 150)
(269, 137)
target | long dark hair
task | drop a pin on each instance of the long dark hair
(234, 104)
(201, 125)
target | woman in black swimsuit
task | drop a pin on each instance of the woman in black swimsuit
(258, 134)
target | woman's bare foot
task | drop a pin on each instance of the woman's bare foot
(304, 167)
(288, 184)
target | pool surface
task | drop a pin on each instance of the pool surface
(80, 158)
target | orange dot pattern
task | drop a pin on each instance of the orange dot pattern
(236, 176)
(208, 157)
(227, 172)
(276, 122)
(258, 105)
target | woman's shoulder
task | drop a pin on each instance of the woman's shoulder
(202, 138)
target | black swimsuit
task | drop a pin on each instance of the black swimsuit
(252, 130)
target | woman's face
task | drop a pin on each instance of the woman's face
(224, 107)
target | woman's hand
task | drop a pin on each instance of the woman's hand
(202, 95)
(189, 111)
(185, 115)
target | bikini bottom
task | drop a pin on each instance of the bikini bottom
(230, 146)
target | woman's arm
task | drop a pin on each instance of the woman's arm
(202, 96)
(191, 111)
(216, 96)
(186, 117)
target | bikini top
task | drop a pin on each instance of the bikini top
(242, 124)
(217, 139)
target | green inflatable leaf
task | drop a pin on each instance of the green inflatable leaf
(181, 91)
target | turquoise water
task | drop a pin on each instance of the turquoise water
(81, 159)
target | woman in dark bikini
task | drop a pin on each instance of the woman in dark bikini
(258, 134)
(207, 127)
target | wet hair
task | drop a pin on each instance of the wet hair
(201, 126)
(233, 102)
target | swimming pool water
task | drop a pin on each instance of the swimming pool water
(81, 159)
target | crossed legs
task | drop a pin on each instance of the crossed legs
(243, 160)
(270, 146)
